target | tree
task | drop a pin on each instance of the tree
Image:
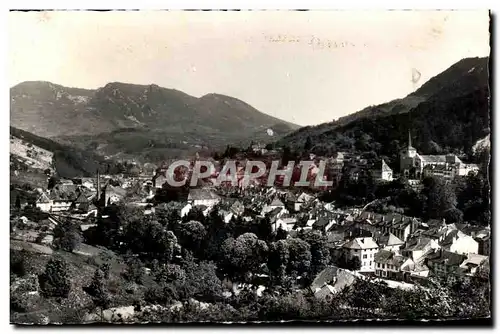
(354, 263)
(105, 268)
(18, 203)
(264, 229)
(320, 254)
(473, 197)
(134, 271)
(201, 282)
(53, 180)
(277, 261)
(217, 232)
(243, 255)
(191, 235)
(308, 144)
(439, 196)
(54, 282)
(18, 262)
(300, 256)
(97, 289)
(67, 236)
(281, 234)
(171, 273)
(454, 216)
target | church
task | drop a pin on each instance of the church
(416, 166)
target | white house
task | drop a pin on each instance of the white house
(364, 249)
(44, 203)
(185, 210)
(226, 215)
(285, 223)
(384, 173)
(203, 196)
(460, 243)
(389, 264)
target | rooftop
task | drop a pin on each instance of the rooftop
(361, 243)
(201, 194)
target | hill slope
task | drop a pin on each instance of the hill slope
(448, 113)
(459, 79)
(171, 116)
(31, 154)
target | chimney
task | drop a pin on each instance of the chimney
(98, 186)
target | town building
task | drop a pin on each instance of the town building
(389, 264)
(364, 249)
(443, 263)
(458, 242)
(417, 248)
(417, 166)
(390, 242)
(383, 173)
(203, 196)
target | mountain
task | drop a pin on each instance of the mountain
(171, 117)
(450, 112)
(471, 72)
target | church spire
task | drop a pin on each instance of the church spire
(409, 138)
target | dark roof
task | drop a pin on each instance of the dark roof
(82, 198)
(394, 220)
(417, 244)
(64, 193)
(201, 194)
(448, 240)
(446, 257)
(433, 158)
(388, 257)
(321, 223)
(274, 212)
(201, 207)
(389, 239)
(337, 278)
(383, 256)
(276, 202)
(326, 276)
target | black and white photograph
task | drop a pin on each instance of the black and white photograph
(250, 166)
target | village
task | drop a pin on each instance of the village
(400, 250)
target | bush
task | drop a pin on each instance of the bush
(134, 272)
(67, 237)
(54, 281)
(17, 263)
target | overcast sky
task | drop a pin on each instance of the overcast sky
(303, 67)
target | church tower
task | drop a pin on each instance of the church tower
(407, 157)
(411, 150)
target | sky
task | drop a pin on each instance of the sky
(304, 67)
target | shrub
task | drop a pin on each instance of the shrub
(54, 281)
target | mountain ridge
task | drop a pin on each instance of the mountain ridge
(127, 120)
(476, 73)
(107, 107)
(449, 113)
